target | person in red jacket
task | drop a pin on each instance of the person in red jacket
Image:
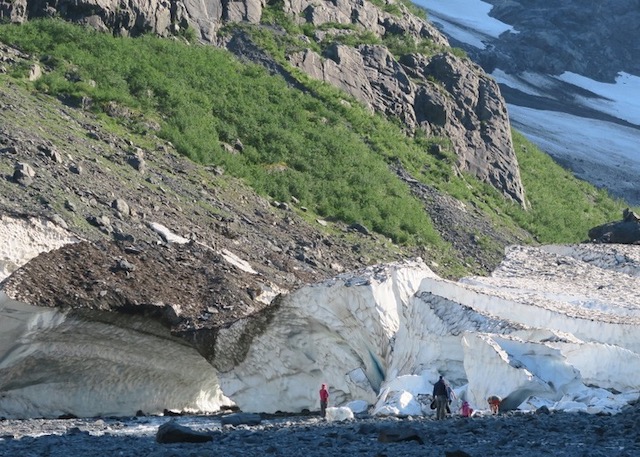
(324, 399)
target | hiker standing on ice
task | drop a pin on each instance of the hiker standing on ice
(441, 396)
(324, 400)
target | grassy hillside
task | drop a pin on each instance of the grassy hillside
(330, 155)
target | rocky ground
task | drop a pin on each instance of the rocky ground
(511, 434)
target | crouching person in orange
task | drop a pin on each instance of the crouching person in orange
(494, 404)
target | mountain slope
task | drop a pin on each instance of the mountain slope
(466, 108)
(465, 219)
(106, 184)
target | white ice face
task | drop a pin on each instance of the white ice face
(548, 323)
(553, 325)
(53, 363)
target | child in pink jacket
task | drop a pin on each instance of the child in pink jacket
(466, 410)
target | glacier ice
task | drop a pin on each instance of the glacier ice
(55, 363)
(339, 414)
(530, 332)
(553, 325)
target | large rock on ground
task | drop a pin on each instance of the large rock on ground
(171, 432)
(626, 231)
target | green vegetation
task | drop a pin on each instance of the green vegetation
(414, 9)
(317, 145)
(400, 45)
(357, 38)
(329, 156)
(395, 10)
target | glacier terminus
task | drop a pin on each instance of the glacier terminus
(553, 325)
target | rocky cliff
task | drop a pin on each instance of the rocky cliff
(439, 93)
(587, 38)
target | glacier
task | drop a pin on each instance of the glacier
(56, 364)
(553, 326)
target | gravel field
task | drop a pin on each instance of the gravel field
(509, 434)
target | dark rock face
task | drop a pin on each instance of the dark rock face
(616, 232)
(626, 231)
(589, 38)
(476, 120)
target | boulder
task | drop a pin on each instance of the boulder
(23, 173)
(241, 419)
(172, 432)
(626, 231)
(400, 433)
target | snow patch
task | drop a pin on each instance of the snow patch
(468, 22)
(26, 238)
(238, 262)
(166, 234)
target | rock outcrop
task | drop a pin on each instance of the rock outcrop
(463, 104)
(626, 231)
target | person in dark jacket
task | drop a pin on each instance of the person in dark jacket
(441, 397)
